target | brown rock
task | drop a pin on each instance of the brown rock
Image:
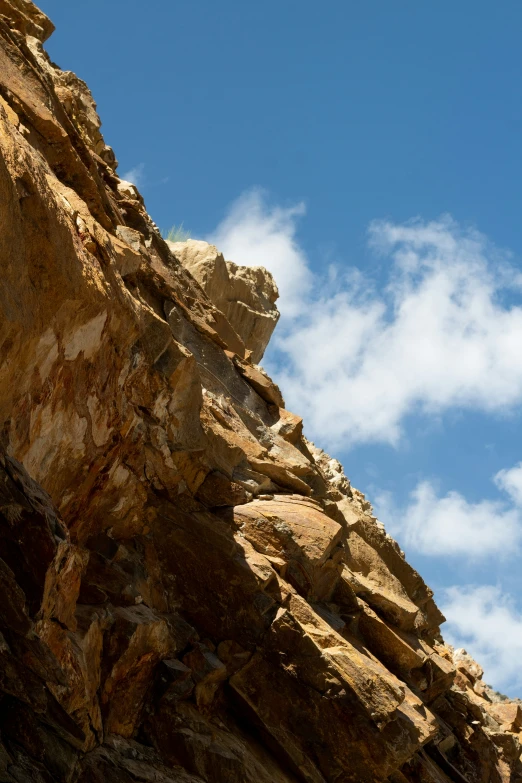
(246, 295)
(233, 656)
(508, 714)
(138, 640)
(260, 382)
(327, 662)
(189, 590)
(218, 490)
(175, 680)
(208, 672)
(62, 585)
(300, 535)
(390, 646)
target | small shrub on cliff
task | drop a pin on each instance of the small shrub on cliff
(176, 234)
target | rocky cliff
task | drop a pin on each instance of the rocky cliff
(189, 590)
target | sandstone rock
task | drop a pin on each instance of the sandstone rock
(466, 664)
(391, 647)
(300, 535)
(259, 381)
(246, 295)
(218, 490)
(508, 714)
(318, 735)
(233, 655)
(189, 590)
(138, 639)
(215, 747)
(125, 761)
(207, 672)
(327, 662)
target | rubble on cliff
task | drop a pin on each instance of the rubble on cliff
(189, 590)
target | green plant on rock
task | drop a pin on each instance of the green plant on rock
(176, 234)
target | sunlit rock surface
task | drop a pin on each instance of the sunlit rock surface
(246, 295)
(189, 590)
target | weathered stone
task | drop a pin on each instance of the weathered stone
(233, 656)
(173, 681)
(508, 714)
(138, 640)
(322, 740)
(217, 748)
(208, 672)
(466, 664)
(218, 490)
(122, 760)
(260, 382)
(288, 425)
(189, 590)
(331, 665)
(390, 647)
(246, 295)
(62, 585)
(300, 535)
(393, 604)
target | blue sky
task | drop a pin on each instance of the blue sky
(304, 137)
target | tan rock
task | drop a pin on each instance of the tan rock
(331, 665)
(259, 381)
(288, 425)
(246, 295)
(396, 607)
(138, 640)
(201, 595)
(329, 747)
(465, 663)
(388, 645)
(508, 714)
(379, 574)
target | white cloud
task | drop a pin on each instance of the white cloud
(355, 361)
(511, 482)
(254, 234)
(488, 625)
(135, 175)
(452, 526)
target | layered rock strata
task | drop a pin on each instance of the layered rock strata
(189, 590)
(246, 295)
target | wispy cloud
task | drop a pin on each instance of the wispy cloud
(451, 526)
(135, 175)
(355, 360)
(486, 622)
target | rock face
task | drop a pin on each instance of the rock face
(246, 295)
(189, 590)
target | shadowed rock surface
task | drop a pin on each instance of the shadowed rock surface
(189, 590)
